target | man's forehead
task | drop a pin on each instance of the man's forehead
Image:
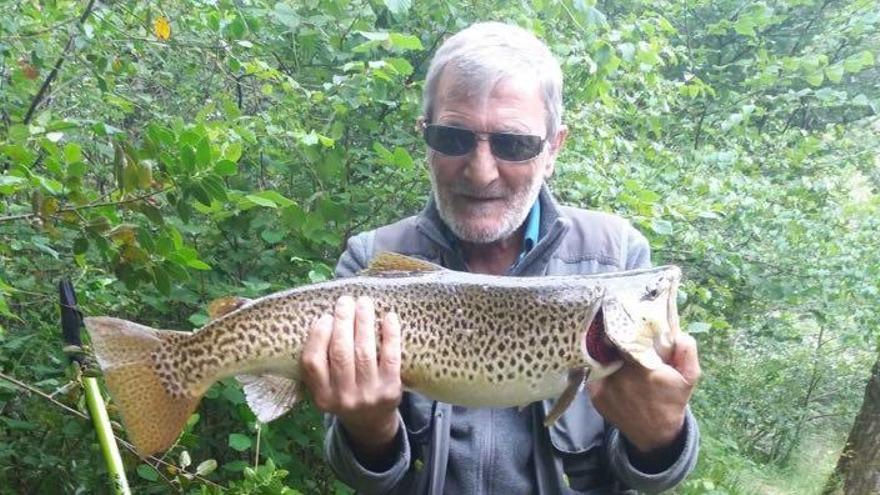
(459, 84)
(512, 98)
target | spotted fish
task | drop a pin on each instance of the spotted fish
(468, 339)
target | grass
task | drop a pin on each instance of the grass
(725, 470)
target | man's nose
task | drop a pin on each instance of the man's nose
(482, 168)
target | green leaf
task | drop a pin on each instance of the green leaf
(662, 227)
(10, 184)
(80, 245)
(402, 158)
(286, 15)
(398, 6)
(275, 197)
(148, 472)
(272, 236)
(206, 467)
(198, 264)
(858, 61)
(239, 442)
(215, 187)
(834, 73)
(161, 280)
(76, 169)
(151, 212)
(260, 201)
(72, 152)
(175, 271)
(698, 327)
(745, 26)
(815, 77)
(203, 153)
(225, 168)
(51, 186)
(401, 65)
(404, 41)
(187, 158)
(197, 190)
(232, 151)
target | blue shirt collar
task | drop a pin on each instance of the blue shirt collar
(533, 228)
(531, 234)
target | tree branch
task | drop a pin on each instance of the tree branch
(52, 75)
(88, 206)
(82, 415)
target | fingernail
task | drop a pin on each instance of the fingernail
(345, 304)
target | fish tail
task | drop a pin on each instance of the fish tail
(152, 414)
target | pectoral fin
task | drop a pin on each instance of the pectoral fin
(576, 379)
(269, 396)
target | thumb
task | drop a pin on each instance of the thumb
(685, 359)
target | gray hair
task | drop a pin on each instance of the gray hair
(488, 52)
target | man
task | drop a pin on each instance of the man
(492, 123)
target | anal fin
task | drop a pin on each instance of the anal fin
(576, 379)
(269, 396)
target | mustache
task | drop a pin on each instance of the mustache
(493, 191)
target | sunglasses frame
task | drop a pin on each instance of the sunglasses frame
(480, 136)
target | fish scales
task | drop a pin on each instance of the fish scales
(500, 334)
(467, 339)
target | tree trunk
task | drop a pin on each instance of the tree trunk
(859, 466)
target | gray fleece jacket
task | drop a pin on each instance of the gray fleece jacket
(445, 449)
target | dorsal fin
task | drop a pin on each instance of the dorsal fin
(225, 305)
(387, 263)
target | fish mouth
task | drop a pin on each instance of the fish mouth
(598, 345)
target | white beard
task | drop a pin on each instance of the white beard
(519, 203)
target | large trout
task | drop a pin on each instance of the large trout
(468, 339)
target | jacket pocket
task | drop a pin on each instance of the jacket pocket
(578, 440)
(418, 417)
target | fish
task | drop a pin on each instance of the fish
(468, 339)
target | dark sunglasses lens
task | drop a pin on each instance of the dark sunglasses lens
(449, 140)
(515, 147)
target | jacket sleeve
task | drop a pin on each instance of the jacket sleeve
(337, 449)
(353, 473)
(655, 482)
(638, 255)
(637, 251)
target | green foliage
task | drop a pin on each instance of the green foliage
(237, 156)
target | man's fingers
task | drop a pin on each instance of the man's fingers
(389, 356)
(341, 352)
(314, 357)
(365, 341)
(685, 359)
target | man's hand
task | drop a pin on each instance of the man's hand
(346, 377)
(648, 406)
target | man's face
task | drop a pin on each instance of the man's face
(482, 198)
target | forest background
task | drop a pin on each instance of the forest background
(163, 154)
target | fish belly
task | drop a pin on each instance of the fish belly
(485, 393)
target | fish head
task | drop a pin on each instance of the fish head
(636, 319)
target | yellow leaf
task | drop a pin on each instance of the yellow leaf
(162, 28)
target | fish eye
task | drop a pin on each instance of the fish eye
(651, 293)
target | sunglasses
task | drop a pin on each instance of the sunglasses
(455, 141)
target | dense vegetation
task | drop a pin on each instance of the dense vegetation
(163, 154)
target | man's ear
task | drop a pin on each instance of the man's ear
(555, 145)
(420, 122)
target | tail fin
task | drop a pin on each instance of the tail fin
(153, 417)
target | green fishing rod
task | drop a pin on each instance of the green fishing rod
(71, 323)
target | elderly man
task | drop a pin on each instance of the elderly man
(492, 124)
